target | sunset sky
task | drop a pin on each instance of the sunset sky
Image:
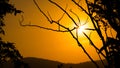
(40, 43)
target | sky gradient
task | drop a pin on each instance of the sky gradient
(40, 43)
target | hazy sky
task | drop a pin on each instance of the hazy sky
(40, 43)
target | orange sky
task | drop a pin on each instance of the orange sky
(35, 42)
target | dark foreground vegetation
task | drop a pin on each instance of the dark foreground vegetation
(44, 63)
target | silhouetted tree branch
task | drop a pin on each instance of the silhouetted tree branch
(99, 12)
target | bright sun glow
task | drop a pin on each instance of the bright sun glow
(80, 29)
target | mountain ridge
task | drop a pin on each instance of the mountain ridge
(46, 63)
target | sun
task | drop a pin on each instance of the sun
(81, 29)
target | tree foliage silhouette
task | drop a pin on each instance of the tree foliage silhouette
(105, 12)
(8, 51)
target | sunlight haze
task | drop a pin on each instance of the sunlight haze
(40, 43)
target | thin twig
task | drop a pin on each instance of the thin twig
(41, 11)
(47, 28)
(79, 44)
(21, 21)
(80, 7)
(75, 15)
(79, 1)
(92, 43)
(85, 21)
(63, 14)
(64, 11)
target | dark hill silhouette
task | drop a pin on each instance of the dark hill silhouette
(41, 63)
(44, 63)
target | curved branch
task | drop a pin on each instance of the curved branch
(42, 11)
(75, 15)
(92, 43)
(85, 12)
(80, 6)
(79, 44)
(90, 29)
(20, 21)
(62, 15)
(47, 28)
(85, 22)
(64, 11)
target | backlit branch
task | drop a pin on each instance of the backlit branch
(92, 19)
(97, 50)
(70, 31)
(76, 16)
(96, 26)
(21, 23)
(79, 44)
(86, 21)
(79, 1)
(80, 7)
(49, 20)
(64, 11)
(92, 43)
(88, 8)
(60, 20)
(41, 11)
(79, 24)
(67, 29)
